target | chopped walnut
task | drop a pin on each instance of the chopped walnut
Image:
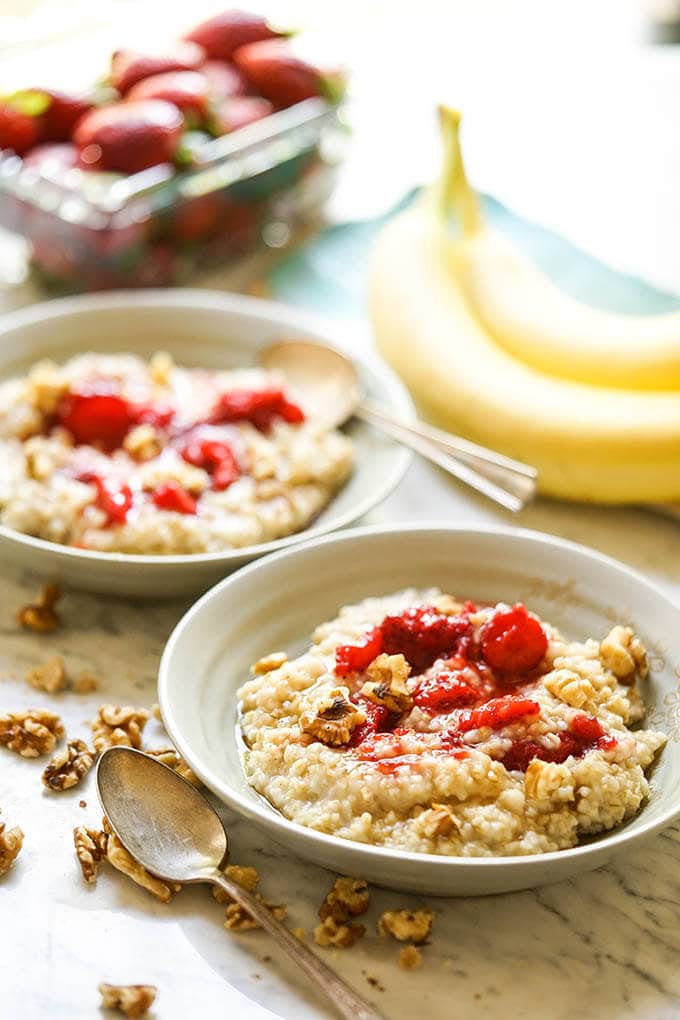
(31, 733)
(90, 847)
(244, 876)
(68, 766)
(342, 936)
(386, 684)
(50, 677)
(409, 958)
(624, 655)
(333, 718)
(41, 616)
(237, 917)
(131, 1000)
(169, 756)
(406, 925)
(143, 442)
(269, 663)
(46, 386)
(348, 897)
(115, 725)
(84, 683)
(542, 779)
(437, 821)
(571, 688)
(122, 860)
(447, 605)
(161, 366)
(11, 842)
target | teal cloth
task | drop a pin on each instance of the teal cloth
(327, 275)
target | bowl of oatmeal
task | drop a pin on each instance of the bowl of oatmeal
(143, 451)
(471, 711)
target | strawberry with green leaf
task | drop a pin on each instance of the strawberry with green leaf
(20, 123)
(281, 76)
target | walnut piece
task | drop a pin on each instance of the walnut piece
(41, 616)
(333, 718)
(244, 876)
(624, 655)
(11, 842)
(406, 925)
(409, 958)
(119, 858)
(31, 733)
(237, 917)
(69, 766)
(143, 442)
(46, 386)
(161, 367)
(131, 1000)
(347, 897)
(438, 820)
(447, 605)
(50, 677)
(84, 683)
(569, 687)
(386, 684)
(115, 725)
(90, 847)
(268, 663)
(169, 756)
(342, 936)
(542, 779)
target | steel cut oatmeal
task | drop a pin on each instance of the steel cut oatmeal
(421, 723)
(109, 452)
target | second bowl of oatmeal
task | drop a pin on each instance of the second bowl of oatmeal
(473, 711)
(145, 453)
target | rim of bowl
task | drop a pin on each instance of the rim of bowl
(271, 818)
(245, 304)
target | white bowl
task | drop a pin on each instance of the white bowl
(198, 327)
(276, 603)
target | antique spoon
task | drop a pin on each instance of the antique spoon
(327, 384)
(172, 830)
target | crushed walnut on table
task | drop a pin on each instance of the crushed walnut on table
(41, 615)
(131, 1000)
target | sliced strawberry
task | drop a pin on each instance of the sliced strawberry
(513, 641)
(356, 658)
(225, 79)
(114, 497)
(276, 73)
(96, 416)
(221, 35)
(187, 90)
(171, 496)
(260, 407)
(497, 713)
(237, 112)
(215, 457)
(130, 66)
(129, 137)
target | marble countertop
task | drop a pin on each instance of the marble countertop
(601, 946)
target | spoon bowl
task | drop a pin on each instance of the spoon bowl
(321, 377)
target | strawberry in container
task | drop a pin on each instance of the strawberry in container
(130, 66)
(277, 73)
(129, 136)
(189, 91)
(223, 34)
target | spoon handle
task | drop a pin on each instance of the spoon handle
(344, 998)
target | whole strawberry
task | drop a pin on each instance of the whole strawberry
(130, 66)
(187, 90)
(222, 35)
(237, 112)
(20, 120)
(129, 137)
(62, 114)
(277, 73)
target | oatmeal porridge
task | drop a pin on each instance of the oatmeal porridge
(425, 724)
(115, 454)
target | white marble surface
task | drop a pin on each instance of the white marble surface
(603, 946)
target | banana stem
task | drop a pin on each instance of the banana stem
(454, 192)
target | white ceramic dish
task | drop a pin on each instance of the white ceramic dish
(244, 617)
(198, 327)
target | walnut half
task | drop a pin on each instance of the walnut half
(68, 766)
(115, 725)
(406, 925)
(386, 684)
(624, 655)
(31, 733)
(90, 847)
(131, 1000)
(333, 718)
(11, 842)
(348, 897)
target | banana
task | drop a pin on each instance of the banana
(589, 442)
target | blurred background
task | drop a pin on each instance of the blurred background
(571, 106)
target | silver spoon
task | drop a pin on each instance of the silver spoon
(328, 386)
(172, 830)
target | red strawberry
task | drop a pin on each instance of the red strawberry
(275, 72)
(61, 115)
(130, 66)
(188, 90)
(225, 79)
(129, 136)
(235, 113)
(19, 130)
(171, 496)
(222, 35)
(52, 157)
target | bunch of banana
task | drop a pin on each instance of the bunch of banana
(492, 350)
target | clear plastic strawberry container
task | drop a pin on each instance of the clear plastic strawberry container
(96, 231)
